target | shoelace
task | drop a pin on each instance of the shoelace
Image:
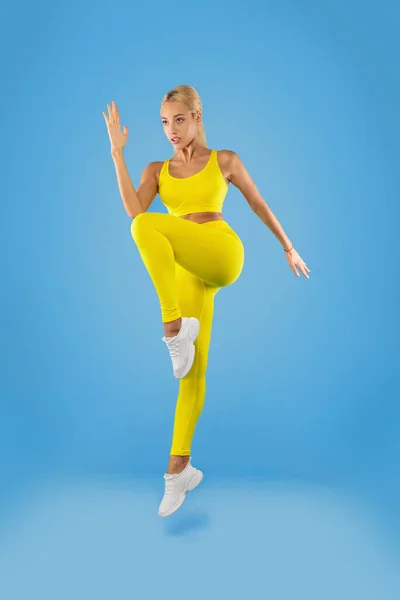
(173, 346)
(169, 484)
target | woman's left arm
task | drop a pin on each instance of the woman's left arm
(239, 176)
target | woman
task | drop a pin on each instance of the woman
(189, 254)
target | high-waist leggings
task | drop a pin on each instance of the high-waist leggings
(188, 264)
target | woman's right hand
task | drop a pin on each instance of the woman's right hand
(117, 137)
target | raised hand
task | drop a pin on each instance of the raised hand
(117, 137)
(294, 261)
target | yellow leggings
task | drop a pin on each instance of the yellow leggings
(188, 263)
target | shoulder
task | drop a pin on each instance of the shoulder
(155, 165)
(226, 154)
(153, 169)
(229, 161)
(228, 157)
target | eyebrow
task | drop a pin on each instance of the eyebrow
(178, 115)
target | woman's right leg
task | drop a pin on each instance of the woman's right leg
(211, 251)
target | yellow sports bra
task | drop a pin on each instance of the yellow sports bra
(204, 191)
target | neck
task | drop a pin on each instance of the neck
(191, 151)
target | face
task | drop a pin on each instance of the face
(179, 125)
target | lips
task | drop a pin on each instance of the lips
(175, 140)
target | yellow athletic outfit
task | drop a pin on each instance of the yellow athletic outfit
(188, 263)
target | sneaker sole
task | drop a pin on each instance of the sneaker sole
(191, 484)
(194, 328)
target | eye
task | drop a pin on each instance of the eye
(179, 119)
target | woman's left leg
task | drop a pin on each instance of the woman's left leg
(196, 298)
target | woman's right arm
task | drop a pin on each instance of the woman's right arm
(135, 201)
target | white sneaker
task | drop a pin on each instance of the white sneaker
(181, 347)
(176, 487)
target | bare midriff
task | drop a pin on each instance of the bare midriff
(203, 217)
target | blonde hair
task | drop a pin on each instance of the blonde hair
(189, 96)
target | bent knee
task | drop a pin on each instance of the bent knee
(144, 220)
(233, 271)
(229, 278)
(139, 223)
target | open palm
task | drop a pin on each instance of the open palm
(117, 137)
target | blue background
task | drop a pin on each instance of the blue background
(300, 435)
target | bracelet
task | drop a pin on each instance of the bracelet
(289, 249)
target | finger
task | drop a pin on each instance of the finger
(110, 114)
(125, 130)
(115, 110)
(305, 266)
(302, 269)
(300, 266)
(105, 117)
(295, 271)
